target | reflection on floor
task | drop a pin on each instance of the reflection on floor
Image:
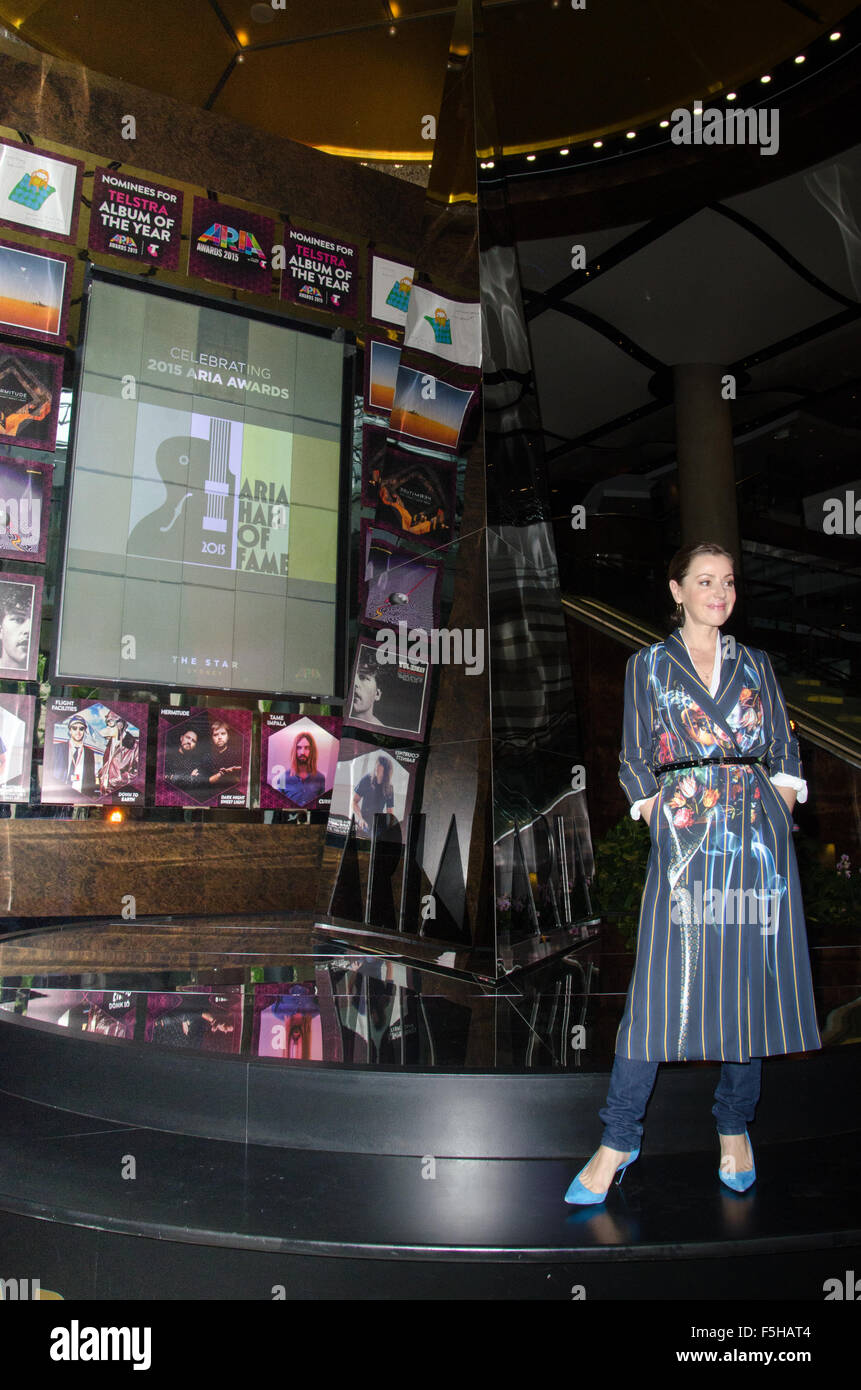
(263, 987)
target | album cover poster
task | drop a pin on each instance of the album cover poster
(30, 386)
(110, 1013)
(429, 410)
(416, 496)
(287, 1022)
(444, 327)
(17, 718)
(136, 218)
(389, 286)
(20, 619)
(39, 191)
(204, 757)
(372, 781)
(396, 586)
(298, 757)
(95, 753)
(35, 290)
(25, 503)
(381, 372)
(231, 246)
(320, 272)
(65, 1008)
(373, 455)
(389, 691)
(193, 1019)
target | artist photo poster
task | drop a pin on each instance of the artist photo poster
(197, 1020)
(372, 781)
(30, 386)
(17, 718)
(95, 753)
(20, 621)
(286, 1022)
(204, 757)
(298, 758)
(39, 190)
(389, 691)
(35, 291)
(25, 503)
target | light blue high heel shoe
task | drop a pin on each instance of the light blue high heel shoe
(739, 1182)
(580, 1196)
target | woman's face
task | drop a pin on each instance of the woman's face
(707, 592)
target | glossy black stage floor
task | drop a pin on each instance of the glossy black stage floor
(227, 1108)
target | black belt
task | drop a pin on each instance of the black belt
(701, 762)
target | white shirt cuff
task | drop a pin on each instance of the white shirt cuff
(635, 806)
(783, 779)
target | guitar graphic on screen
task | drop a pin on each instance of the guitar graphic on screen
(194, 522)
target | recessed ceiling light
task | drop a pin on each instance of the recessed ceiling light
(530, 157)
(802, 58)
(765, 78)
(240, 58)
(491, 164)
(565, 151)
(597, 144)
(630, 134)
(664, 125)
(835, 36)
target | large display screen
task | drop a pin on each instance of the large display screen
(204, 528)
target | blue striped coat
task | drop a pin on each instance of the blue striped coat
(722, 970)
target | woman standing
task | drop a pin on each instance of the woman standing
(722, 971)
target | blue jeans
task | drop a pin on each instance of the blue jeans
(631, 1084)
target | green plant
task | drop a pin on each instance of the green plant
(830, 890)
(621, 858)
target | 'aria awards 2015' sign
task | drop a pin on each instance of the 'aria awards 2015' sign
(231, 246)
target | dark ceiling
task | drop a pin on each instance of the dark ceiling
(357, 77)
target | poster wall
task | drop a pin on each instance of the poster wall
(35, 290)
(319, 272)
(298, 758)
(17, 718)
(95, 753)
(136, 218)
(39, 191)
(204, 757)
(30, 386)
(20, 620)
(25, 502)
